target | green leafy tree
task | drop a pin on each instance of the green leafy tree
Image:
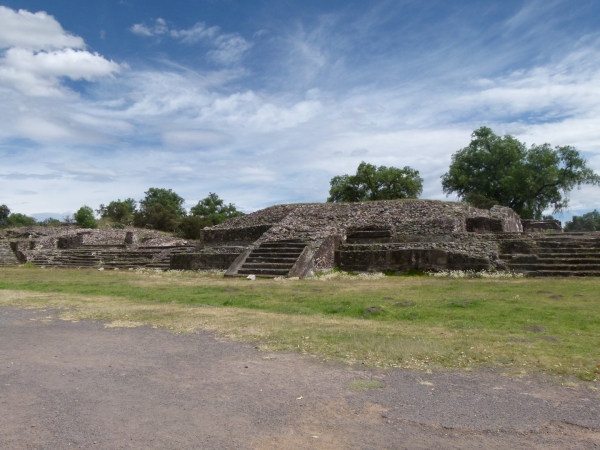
(4, 213)
(157, 217)
(85, 217)
(190, 226)
(121, 212)
(588, 222)
(213, 210)
(20, 220)
(161, 209)
(376, 183)
(50, 222)
(496, 170)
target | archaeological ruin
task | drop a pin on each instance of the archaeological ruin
(300, 240)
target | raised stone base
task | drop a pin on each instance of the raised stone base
(202, 261)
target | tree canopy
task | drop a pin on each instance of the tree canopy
(501, 170)
(4, 213)
(121, 212)
(376, 183)
(160, 209)
(588, 222)
(8, 219)
(214, 210)
(85, 217)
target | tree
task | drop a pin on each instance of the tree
(588, 222)
(20, 220)
(189, 227)
(214, 210)
(121, 212)
(161, 209)
(4, 213)
(85, 217)
(496, 170)
(376, 183)
(50, 222)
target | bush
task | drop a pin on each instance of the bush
(190, 226)
(587, 222)
(20, 220)
(120, 212)
(50, 222)
(85, 217)
(161, 209)
(214, 210)
(157, 217)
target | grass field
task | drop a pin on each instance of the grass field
(519, 325)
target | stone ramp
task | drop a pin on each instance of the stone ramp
(272, 259)
(577, 255)
(7, 257)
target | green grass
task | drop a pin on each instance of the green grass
(364, 385)
(519, 325)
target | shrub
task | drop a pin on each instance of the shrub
(85, 217)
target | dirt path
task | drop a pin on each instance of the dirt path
(80, 385)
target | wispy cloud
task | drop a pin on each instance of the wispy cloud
(323, 97)
(227, 48)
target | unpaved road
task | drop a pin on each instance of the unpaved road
(80, 385)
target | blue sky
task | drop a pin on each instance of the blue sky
(263, 102)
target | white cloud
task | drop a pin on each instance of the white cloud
(141, 30)
(160, 27)
(228, 48)
(38, 74)
(34, 31)
(39, 53)
(194, 138)
(313, 116)
(195, 34)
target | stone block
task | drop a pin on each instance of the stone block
(202, 261)
(533, 226)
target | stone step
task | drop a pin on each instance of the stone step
(267, 259)
(577, 250)
(369, 234)
(554, 267)
(279, 244)
(268, 249)
(273, 272)
(531, 259)
(564, 245)
(264, 254)
(581, 255)
(287, 266)
(566, 273)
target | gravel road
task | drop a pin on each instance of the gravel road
(81, 385)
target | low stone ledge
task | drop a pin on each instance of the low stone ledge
(403, 260)
(541, 225)
(246, 234)
(202, 261)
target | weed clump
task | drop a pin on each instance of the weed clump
(499, 275)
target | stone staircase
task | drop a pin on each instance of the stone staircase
(559, 257)
(368, 235)
(109, 258)
(272, 259)
(7, 257)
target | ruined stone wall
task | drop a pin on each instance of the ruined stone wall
(541, 225)
(478, 245)
(511, 222)
(202, 261)
(243, 234)
(402, 260)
